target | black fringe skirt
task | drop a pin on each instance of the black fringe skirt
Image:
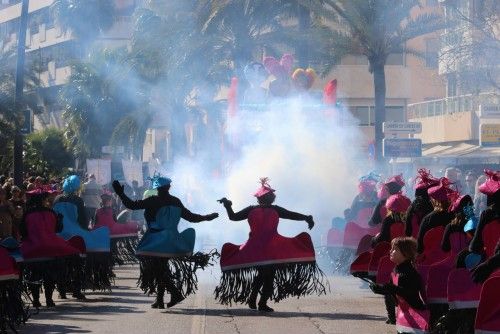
(62, 271)
(123, 250)
(180, 271)
(13, 310)
(98, 271)
(290, 280)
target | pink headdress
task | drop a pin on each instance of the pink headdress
(457, 200)
(264, 187)
(398, 203)
(492, 185)
(425, 180)
(396, 179)
(441, 191)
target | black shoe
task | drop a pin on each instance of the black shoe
(50, 303)
(79, 296)
(252, 302)
(265, 308)
(36, 303)
(175, 300)
(390, 321)
(158, 304)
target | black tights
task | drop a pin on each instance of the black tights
(165, 282)
(264, 280)
(48, 288)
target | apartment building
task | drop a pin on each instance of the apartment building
(463, 128)
(52, 48)
(408, 79)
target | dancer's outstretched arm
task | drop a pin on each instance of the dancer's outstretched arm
(287, 214)
(240, 215)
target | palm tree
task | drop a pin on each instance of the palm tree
(374, 28)
(86, 19)
(11, 117)
(94, 101)
(243, 30)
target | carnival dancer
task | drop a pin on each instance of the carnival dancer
(391, 187)
(491, 188)
(461, 206)
(13, 309)
(396, 206)
(98, 267)
(124, 236)
(282, 267)
(366, 197)
(440, 215)
(48, 258)
(421, 205)
(406, 285)
(166, 256)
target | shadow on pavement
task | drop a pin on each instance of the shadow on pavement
(238, 312)
(52, 328)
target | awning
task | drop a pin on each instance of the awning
(460, 153)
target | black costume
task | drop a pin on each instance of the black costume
(433, 219)
(419, 208)
(176, 274)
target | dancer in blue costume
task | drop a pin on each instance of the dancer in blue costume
(165, 255)
(98, 264)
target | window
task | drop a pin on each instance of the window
(431, 52)
(451, 86)
(395, 114)
(362, 114)
(395, 59)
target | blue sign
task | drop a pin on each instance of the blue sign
(402, 147)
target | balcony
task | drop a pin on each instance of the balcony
(454, 119)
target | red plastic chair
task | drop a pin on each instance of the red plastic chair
(397, 230)
(488, 310)
(491, 234)
(359, 267)
(432, 247)
(384, 270)
(363, 217)
(437, 278)
(381, 249)
(353, 234)
(365, 244)
(462, 291)
(8, 266)
(334, 238)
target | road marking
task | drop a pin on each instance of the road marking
(199, 320)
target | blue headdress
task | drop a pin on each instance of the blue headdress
(158, 181)
(71, 184)
(372, 176)
(471, 218)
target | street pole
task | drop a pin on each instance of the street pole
(18, 137)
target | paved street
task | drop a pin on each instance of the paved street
(347, 309)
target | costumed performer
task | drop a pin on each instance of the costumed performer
(98, 264)
(48, 258)
(124, 236)
(166, 256)
(421, 205)
(282, 267)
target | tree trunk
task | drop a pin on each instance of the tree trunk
(18, 137)
(304, 16)
(379, 84)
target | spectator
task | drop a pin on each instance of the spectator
(91, 196)
(470, 184)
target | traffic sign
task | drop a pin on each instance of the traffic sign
(402, 147)
(402, 127)
(113, 149)
(489, 135)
